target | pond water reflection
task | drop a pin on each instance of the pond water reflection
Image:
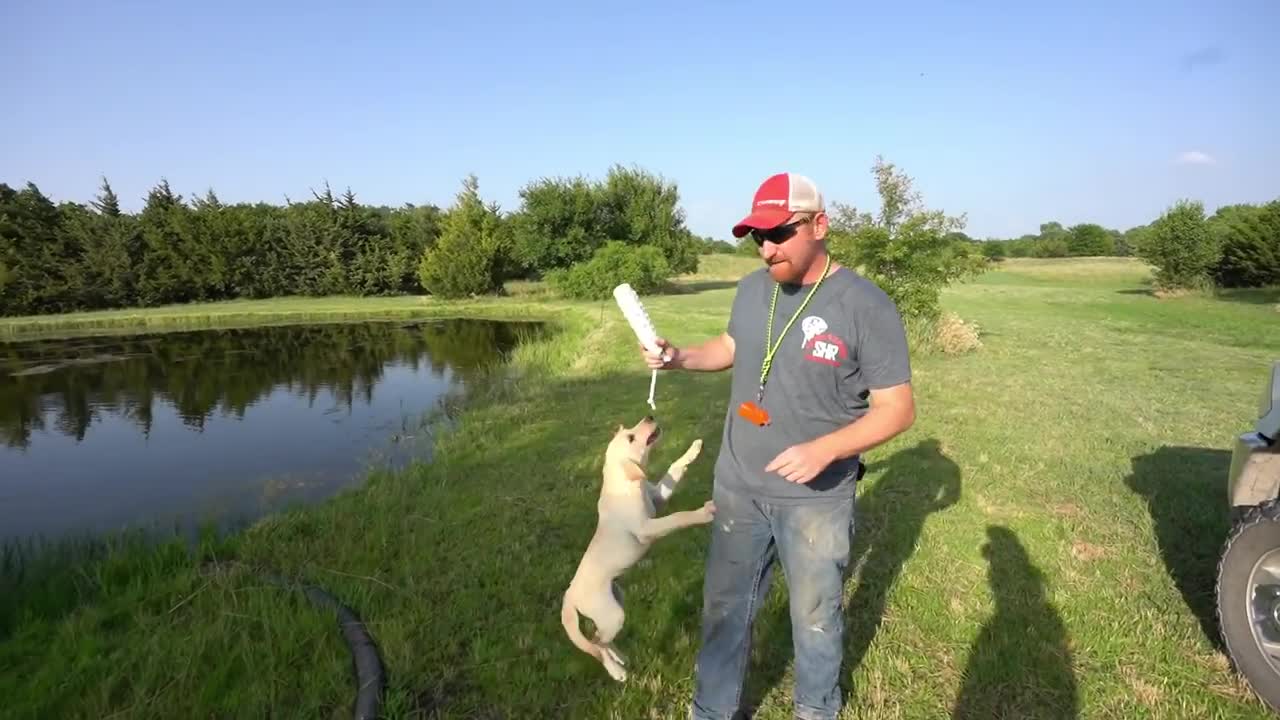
(167, 430)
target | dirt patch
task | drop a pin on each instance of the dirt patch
(997, 509)
(1082, 550)
(1067, 510)
(1145, 692)
(1169, 293)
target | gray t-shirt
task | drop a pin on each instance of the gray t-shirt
(848, 340)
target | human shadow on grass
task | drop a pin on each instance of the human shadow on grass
(916, 483)
(1183, 488)
(890, 516)
(1020, 664)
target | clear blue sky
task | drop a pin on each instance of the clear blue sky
(1014, 113)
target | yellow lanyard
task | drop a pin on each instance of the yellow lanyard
(773, 304)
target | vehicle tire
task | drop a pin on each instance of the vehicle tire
(1248, 598)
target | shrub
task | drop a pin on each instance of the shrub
(994, 250)
(564, 221)
(1181, 247)
(1250, 239)
(643, 266)
(1089, 240)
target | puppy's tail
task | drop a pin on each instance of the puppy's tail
(569, 619)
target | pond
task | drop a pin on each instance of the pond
(165, 431)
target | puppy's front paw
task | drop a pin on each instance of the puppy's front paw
(692, 453)
(707, 512)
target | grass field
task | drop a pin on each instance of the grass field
(1040, 545)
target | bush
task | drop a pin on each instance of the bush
(564, 221)
(1089, 240)
(561, 222)
(1250, 239)
(644, 267)
(1181, 247)
(470, 256)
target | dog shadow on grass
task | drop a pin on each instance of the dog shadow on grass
(1020, 664)
(1184, 491)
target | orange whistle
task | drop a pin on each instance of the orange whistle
(754, 413)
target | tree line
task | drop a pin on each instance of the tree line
(1079, 240)
(1237, 246)
(65, 256)
(582, 236)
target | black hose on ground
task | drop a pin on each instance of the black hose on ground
(370, 675)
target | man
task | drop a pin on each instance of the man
(820, 376)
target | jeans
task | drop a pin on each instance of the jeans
(748, 537)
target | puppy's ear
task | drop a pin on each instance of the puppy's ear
(634, 472)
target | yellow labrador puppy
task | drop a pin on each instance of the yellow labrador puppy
(627, 526)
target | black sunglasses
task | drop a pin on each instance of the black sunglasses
(778, 235)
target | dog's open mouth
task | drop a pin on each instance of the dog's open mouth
(653, 436)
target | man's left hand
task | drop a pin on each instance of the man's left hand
(801, 463)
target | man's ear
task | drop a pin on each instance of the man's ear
(634, 472)
(821, 226)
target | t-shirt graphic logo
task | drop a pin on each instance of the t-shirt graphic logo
(812, 326)
(825, 348)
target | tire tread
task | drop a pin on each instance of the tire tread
(1265, 512)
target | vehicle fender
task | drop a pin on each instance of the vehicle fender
(1255, 471)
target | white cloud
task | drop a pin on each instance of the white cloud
(1194, 157)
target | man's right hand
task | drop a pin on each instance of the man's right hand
(655, 362)
(710, 356)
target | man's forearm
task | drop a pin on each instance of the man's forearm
(711, 356)
(877, 427)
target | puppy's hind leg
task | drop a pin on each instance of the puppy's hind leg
(569, 619)
(608, 617)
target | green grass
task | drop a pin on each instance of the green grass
(1042, 540)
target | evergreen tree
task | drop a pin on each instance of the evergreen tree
(164, 226)
(469, 258)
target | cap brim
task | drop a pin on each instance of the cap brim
(762, 219)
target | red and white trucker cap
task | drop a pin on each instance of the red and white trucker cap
(777, 199)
